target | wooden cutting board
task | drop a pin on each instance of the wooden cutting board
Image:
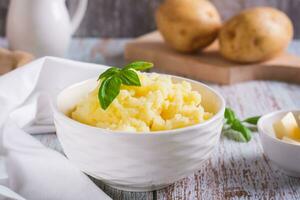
(209, 65)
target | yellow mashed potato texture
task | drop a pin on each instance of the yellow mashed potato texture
(158, 104)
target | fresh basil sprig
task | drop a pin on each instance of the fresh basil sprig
(113, 78)
(238, 130)
(252, 120)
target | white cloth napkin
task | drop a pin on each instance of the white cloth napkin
(34, 171)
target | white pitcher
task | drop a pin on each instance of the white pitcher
(42, 27)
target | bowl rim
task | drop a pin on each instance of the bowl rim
(261, 124)
(75, 123)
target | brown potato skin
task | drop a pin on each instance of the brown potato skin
(188, 25)
(255, 35)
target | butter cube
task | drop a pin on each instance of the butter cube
(288, 127)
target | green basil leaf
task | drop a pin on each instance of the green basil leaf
(109, 90)
(251, 127)
(252, 120)
(229, 115)
(130, 77)
(238, 126)
(109, 72)
(234, 135)
(139, 65)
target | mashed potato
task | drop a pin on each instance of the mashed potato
(159, 104)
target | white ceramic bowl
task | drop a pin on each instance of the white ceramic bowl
(137, 161)
(283, 154)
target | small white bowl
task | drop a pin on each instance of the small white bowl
(137, 161)
(283, 154)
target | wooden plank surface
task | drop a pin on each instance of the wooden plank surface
(235, 170)
(241, 171)
(129, 18)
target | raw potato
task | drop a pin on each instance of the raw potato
(188, 25)
(255, 35)
(10, 60)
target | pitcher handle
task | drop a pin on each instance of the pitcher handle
(78, 15)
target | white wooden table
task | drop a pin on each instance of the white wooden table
(235, 170)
